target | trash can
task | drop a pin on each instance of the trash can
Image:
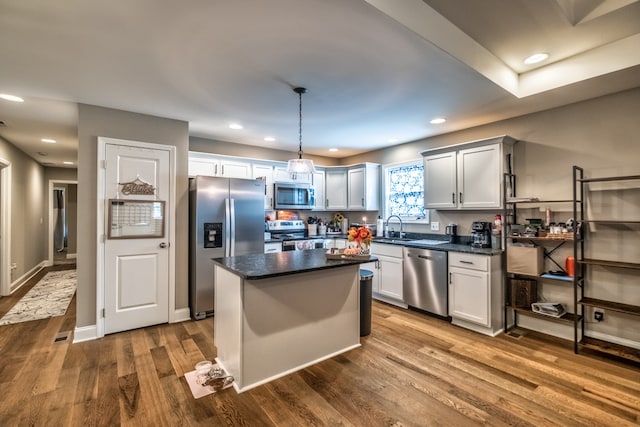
(366, 278)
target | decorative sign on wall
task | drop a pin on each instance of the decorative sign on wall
(137, 187)
(135, 219)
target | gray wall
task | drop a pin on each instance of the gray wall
(250, 151)
(97, 121)
(27, 221)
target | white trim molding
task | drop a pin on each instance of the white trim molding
(5, 227)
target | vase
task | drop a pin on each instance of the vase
(363, 248)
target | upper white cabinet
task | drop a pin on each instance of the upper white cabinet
(211, 165)
(318, 184)
(355, 188)
(265, 172)
(363, 185)
(467, 176)
(336, 189)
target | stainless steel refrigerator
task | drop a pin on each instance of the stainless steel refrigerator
(226, 218)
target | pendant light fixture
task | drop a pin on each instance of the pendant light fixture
(300, 165)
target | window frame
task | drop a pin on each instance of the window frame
(385, 196)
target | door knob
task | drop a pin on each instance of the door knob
(163, 245)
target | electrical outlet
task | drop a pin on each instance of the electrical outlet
(435, 226)
(598, 315)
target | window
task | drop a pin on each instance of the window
(404, 190)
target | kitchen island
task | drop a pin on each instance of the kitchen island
(277, 313)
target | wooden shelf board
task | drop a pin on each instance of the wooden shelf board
(561, 279)
(619, 352)
(537, 202)
(605, 263)
(610, 178)
(611, 305)
(612, 221)
(567, 318)
(542, 239)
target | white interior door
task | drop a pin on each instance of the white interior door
(136, 250)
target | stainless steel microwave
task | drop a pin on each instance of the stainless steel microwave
(292, 195)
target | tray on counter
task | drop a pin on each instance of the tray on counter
(341, 255)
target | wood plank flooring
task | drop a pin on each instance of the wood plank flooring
(413, 370)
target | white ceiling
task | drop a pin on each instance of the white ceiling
(374, 69)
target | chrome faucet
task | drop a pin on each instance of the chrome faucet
(387, 225)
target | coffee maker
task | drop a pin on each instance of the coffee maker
(481, 234)
(451, 230)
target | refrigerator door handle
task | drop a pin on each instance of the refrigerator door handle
(227, 227)
(232, 227)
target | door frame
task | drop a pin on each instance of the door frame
(101, 224)
(5, 227)
(52, 183)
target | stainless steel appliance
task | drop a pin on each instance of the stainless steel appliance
(481, 234)
(425, 280)
(291, 195)
(226, 218)
(293, 236)
(451, 230)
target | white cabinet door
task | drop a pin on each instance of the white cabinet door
(356, 181)
(469, 295)
(203, 167)
(336, 189)
(265, 172)
(440, 188)
(318, 183)
(230, 169)
(390, 273)
(479, 177)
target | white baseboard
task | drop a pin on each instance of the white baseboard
(71, 256)
(85, 333)
(181, 315)
(17, 284)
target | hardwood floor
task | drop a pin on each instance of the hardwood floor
(413, 370)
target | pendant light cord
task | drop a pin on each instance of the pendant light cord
(300, 91)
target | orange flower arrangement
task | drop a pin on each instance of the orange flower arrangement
(360, 235)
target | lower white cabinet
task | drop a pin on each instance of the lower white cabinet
(387, 273)
(475, 292)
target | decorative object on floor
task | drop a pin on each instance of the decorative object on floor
(208, 378)
(50, 297)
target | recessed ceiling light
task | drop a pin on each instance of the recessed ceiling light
(48, 140)
(535, 58)
(438, 121)
(269, 138)
(12, 98)
(235, 126)
(68, 163)
(333, 150)
(393, 139)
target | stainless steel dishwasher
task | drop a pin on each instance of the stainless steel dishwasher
(425, 280)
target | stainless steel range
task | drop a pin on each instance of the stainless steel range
(293, 235)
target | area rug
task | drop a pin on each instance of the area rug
(50, 297)
(197, 389)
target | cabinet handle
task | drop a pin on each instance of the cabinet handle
(216, 169)
(453, 198)
(363, 201)
(461, 197)
(327, 203)
(450, 278)
(466, 262)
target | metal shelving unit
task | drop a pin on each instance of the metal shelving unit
(584, 264)
(510, 217)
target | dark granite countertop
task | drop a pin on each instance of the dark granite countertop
(263, 266)
(449, 247)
